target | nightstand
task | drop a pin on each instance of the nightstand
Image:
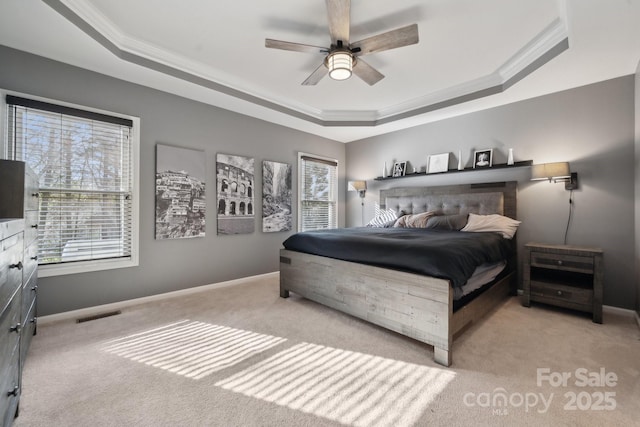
(564, 276)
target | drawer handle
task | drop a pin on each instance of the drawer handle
(559, 262)
(34, 258)
(35, 195)
(35, 226)
(16, 328)
(559, 293)
(13, 392)
(18, 265)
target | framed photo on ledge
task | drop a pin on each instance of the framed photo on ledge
(483, 158)
(399, 168)
(438, 163)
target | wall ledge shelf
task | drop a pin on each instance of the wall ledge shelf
(520, 164)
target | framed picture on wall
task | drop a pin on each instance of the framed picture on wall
(399, 168)
(483, 158)
(438, 163)
(235, 184)
(180, 192)
(276, 196)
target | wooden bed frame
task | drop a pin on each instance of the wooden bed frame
(420, 307)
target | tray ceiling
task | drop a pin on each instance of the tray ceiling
(471, 54)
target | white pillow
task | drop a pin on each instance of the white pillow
(502, 224)
(382, 217)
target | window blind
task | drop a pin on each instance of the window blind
(83, 161)
(318, 193)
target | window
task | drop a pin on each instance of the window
(318, 192)
(86, 162)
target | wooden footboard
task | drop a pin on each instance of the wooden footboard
(413, 305)
(416, 306)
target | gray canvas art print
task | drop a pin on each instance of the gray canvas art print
(276, 196)
(180, 192)
(235, 183)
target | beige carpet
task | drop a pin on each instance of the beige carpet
(243, 356)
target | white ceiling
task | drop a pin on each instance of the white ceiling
(213, 51)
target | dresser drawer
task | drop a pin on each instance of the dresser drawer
(10, 227)
(10, 267)
(28, 331)
(10, 329)
(31, 196)
(30, 260)
(580, 264)
(9, 388)
(30, 227)
(29, 292)
(566, 296)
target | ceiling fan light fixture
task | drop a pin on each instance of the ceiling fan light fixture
(340, 64)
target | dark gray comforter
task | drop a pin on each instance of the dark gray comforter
(452, 255)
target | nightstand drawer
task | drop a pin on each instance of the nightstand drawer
(567, 296)
(580, 264)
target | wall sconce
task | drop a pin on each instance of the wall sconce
(556, 172)
(359, 186)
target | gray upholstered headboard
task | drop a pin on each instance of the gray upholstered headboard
(483, 199)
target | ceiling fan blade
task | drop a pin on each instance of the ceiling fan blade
(339, 17)
(390, 40)
(296, 47)
(367, 73)
(316, 76)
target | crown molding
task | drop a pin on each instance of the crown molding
(350, 115)
(549, 43)
(545, 41)
(133, 46)
(533, 52)
(442, 96)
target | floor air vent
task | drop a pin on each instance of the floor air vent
(98, 316)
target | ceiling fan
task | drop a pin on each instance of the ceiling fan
(343, 58)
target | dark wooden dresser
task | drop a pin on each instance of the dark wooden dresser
(18, 278)
(11, 255)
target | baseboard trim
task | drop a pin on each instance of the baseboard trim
(91, 311)
(618, 310)
(612, 309)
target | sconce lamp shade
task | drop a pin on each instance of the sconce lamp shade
(550, 171)
(361, 188)
(357, 185)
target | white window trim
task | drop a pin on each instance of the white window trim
(301, 184)
(92, 265)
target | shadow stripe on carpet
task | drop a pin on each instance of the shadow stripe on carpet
(190, 348)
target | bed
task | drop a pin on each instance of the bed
(411, 303)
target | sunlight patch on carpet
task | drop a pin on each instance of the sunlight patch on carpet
(190, 348)
(344, 386)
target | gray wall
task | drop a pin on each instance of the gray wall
(592, 127)
(167, 265)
